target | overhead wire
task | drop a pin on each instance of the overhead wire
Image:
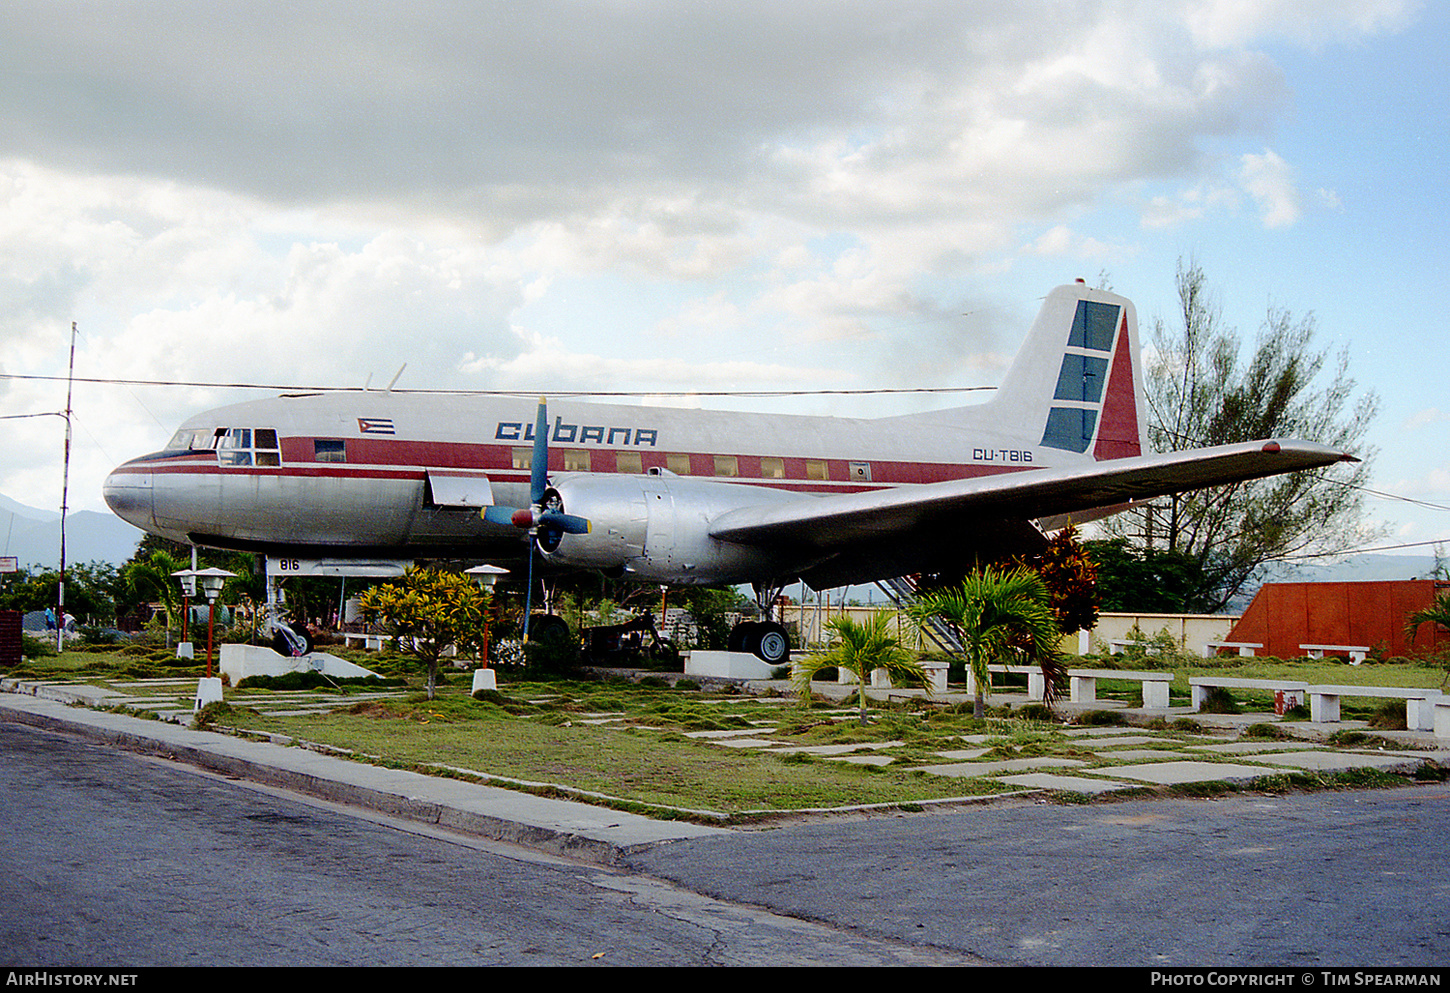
(274, 387)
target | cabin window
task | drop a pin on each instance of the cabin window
(817, 469)
(576, 460)
(631, 463)
(329, 450)
(678, 464)
(727, 465)
(772, 468)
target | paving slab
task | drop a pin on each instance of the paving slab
(747, 742)
(991, 768)
(710, 735)
(1076, 784)
(1250, 747)
(832, 749)
(1127, 739)
(964, 754)
(1139, 754)
(1340, 761)
(860, 759)
(1177, 773)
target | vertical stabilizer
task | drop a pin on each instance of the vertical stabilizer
(1076, 384)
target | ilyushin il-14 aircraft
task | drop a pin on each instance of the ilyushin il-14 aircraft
(364, 480)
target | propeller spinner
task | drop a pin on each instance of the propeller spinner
(544, 517)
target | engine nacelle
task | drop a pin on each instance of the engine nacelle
(656, 528)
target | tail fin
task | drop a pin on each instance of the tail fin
(1076, 384)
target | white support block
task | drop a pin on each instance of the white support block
(1082, 689)
(207, 691)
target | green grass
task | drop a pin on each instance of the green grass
(643, 758)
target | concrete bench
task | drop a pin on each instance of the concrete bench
(1287, 692)
(1036, 684)
(1356, 653)
(1082, 684)
(1419, 703)
(881, 679)
(1117, 645)
(372, 642)
(1246, 648)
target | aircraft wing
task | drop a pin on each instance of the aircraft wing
(912, 528)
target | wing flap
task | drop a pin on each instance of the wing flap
(834, 522)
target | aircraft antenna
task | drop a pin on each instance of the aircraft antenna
(397, 376)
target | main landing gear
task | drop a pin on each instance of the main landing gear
(767, 640)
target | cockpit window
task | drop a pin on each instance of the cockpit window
(189, 439)
(247, 446)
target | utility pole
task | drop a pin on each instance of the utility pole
(64, 495)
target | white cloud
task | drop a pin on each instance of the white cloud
(1270, 181)
(1221, 23)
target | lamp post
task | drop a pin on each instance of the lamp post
(485, 576)
(187, 578)
(211, 582)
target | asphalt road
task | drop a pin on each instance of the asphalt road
(108, 859)
(1357, 878)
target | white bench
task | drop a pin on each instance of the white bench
(1246, 648)
(1036, 683)
(1419, 703)
(1287, 692)
(1082, 684)
(1356, 653)
(881, 680)
(1116, 645)
(372, 642)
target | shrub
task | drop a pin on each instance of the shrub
(1100, 718)
(1217, 700)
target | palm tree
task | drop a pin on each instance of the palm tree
(1437, 613)
(863, 647)
(152, 577)
(1001, 615)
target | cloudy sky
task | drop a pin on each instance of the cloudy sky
(698, 196)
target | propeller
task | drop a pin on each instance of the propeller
(544, 518)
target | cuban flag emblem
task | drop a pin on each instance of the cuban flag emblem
(375, 425)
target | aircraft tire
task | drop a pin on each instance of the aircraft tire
(743, 637)
(772, 644)
(301, 632)
(549, 627)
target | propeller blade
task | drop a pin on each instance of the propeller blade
(558, 521)
(539, 465)
(499, 515)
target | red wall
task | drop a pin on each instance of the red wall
(1284, 616)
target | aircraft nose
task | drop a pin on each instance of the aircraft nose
(128, 491)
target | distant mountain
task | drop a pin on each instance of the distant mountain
(33, 536)
(1356, 569)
